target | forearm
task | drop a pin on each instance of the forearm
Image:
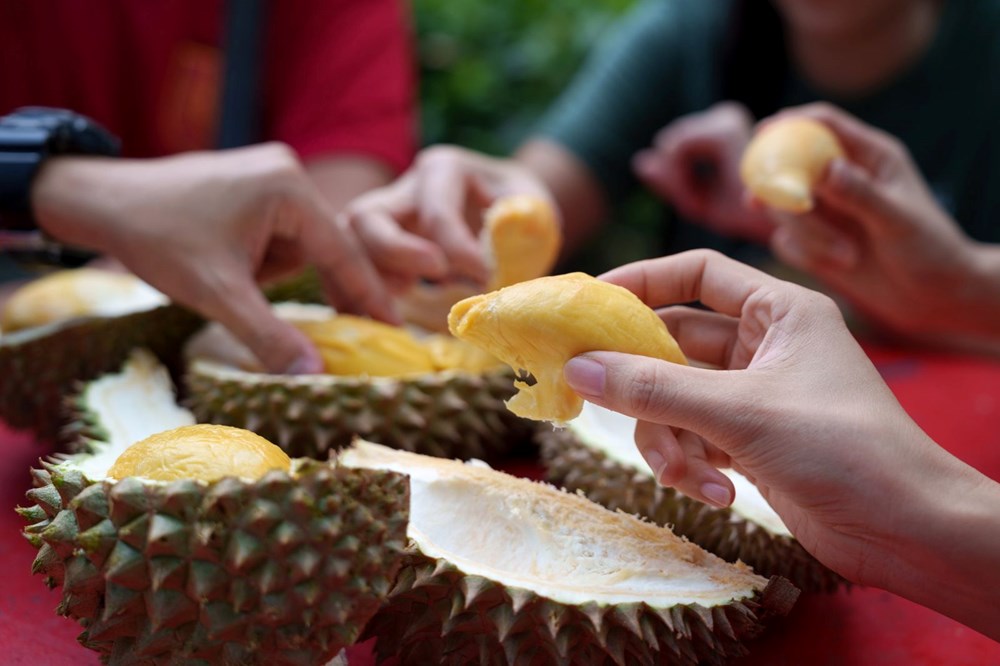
(578, 194)
(948, 552)
(342, 178)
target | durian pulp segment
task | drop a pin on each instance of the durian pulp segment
(76, 293)
(133, 404)
(562, 546)
(521, 238)
(612, 434)
(538, 325)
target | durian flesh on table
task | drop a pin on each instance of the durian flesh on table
(426, 393)
(199, 544)
(596, 455)
(74, 325)
(502, 570)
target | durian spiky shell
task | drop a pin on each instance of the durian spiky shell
(435, 613)
(278, 571)
(41, 366)
(577, 467)
(445, 414)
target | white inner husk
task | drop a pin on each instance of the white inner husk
(562, 546)
(612, 434)
(132, 405)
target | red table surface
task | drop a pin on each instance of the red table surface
(956, 399)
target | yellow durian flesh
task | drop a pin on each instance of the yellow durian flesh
(79, 292)
(352, 345)
(201, 452)
(784, 161)
(538, 325)
(522, 237)
(355, 346)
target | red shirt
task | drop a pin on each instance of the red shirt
(337, 75)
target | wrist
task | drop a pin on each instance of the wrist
(944, 549)
(70, 200)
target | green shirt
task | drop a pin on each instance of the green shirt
(662, 61)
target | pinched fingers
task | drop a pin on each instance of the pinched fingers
(815, 241)
(684, 461)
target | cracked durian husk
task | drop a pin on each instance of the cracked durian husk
(433, 395)
(535, 327)
(502, 570)
(73, 326)
(596, 455)
(282, 569)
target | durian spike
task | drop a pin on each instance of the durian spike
(784, 161)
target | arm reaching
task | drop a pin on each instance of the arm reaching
(203, 227)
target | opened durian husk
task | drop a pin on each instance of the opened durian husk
(502, 570)
(72, 326)
(428, 394)
(259, 560)
(596, 455)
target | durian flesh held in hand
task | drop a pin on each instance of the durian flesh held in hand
(537, 326)
(785, 160)
(219, 549)
(521, 237)
(502, 570)
(596, 455)
(433, 394)
(74, 325)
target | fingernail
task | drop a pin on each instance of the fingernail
(657, 463)
(585, 376)
(716, 494)
(304, 365)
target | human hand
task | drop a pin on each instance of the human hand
(694, 164)
(878, 237)
(438, 205)
(796, 406)
(203, 227)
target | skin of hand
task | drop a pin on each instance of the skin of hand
(437, 208)
(795, 405)
(694, 165)
(878, 237)
(204, 227)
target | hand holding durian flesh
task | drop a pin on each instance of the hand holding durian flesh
(201, 452)
(538, 325)
(783, 162)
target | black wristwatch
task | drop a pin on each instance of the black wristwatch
(29, 136)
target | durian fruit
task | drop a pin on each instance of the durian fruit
(224, 551)
(785, 160)
(502, 570)
(75, 325)
(396, 389)
(538, 325)
(521, 237)
(596, 455)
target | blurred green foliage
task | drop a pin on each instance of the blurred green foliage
(489, 70)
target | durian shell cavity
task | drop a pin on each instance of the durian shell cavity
(785, 160)
(538, 325)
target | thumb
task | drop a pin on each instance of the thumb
(706, 402)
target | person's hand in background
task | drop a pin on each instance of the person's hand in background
(204, 227)
(799, 409)
(438, 205)
(878, 238)
(694, 165)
